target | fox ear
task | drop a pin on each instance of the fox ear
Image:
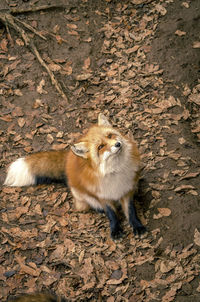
(80, 149)
(102, 120)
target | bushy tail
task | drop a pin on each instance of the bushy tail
(41, 167)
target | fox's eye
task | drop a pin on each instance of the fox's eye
(109, 135)
(100, 146)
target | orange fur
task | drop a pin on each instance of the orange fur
(83, 173)
(49, 164)
(101, 169)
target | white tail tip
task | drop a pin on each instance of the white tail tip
(19, 174)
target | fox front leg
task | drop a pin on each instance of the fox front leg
(131, 214)
(115, 228)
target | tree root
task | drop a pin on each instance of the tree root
(17, 11)
(10, 21)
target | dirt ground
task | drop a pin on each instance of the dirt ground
(138, 63)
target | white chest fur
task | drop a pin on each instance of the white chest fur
(114, 186)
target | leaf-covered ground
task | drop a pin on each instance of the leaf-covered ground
(138, 63)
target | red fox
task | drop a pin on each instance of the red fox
(101, 169)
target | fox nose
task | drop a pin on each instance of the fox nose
(118, 145)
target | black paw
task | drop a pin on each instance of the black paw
(116, 233)
(139, 230)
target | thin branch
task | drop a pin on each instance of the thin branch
(53, 79)
(31, 29)
(7, 19)
(15, 11)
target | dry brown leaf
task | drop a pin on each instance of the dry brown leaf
(197, 237)
(86, 270)
(181, 140)
(3, 45)
(169, 296)
(17, 92)
(54, 67)
(185, 4)
(17, 112)
(83, 77)
(165, 104)
(72, 26)
(112, 265)
(60, 134)
(132, 49)
(155, 194)
(111, 73)
(14, 64)
(11, 190)
(56, 29)
(31, 285)
(37, 209)
(178, 172)
(81, 256)
(59, 39)
(21, 122)
(166, 266)
(190, 175)
(62, 220)
(163, 212)
(89, 285)
(196, 44)
(6, 118)
(187, 252)
(196, 129)
(69, 244)
(73, 33)
(174, 156)
(180, 33)
(46, 228)
(17, 232)
(37, 104)
(137, 2)
(50, 138)
(50, 279)
(195, 98)
(19, 42)
(110, 299)
(58, 254)
(192, 192)
(161, 9)
(183, 188)
(4, 217)
(86, 63)
(40, 89)
(25, 268)
(88, 40)
(18, 212)
(67, 68)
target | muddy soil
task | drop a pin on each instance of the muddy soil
(138, 63)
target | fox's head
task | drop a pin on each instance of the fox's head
(103, 145)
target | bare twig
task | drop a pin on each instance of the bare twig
(9, 35)
(53, 79)
(31, 29)
(15, 11)
(8, 19)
